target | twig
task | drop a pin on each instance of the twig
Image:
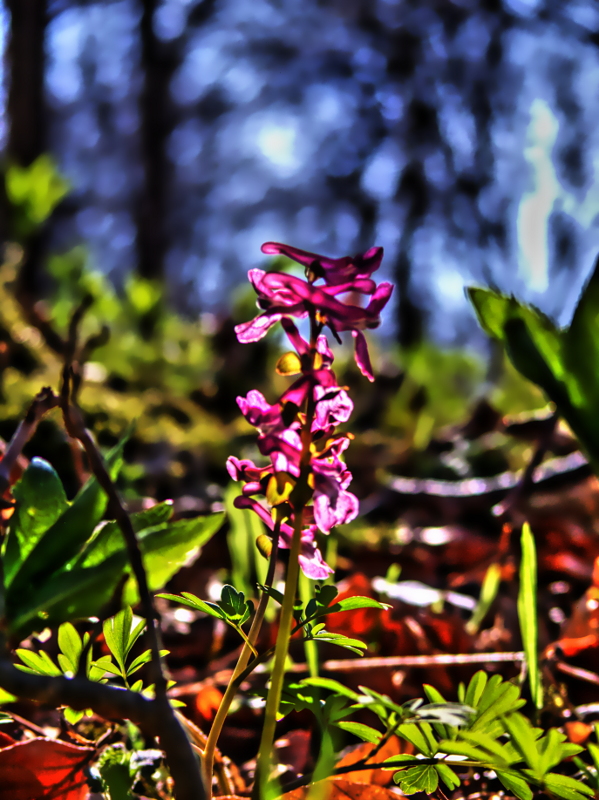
(526, 482)
(44, 400)
(183, 764)
(577, 672)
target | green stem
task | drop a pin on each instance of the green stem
(231, 690)
(278, 673)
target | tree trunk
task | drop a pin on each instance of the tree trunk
(158, 62)
(26, 112)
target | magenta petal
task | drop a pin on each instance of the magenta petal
(297, 392)
(380, 298)
(314, 566)
(300, 344)
(256, 328)
(361, 355)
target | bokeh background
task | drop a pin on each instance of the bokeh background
(459, 134)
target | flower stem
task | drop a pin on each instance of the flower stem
(231, 690)
(263, 767)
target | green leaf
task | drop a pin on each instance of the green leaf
(567, 787)
(527, 613)
(355, 645)
(116, 633)
(144, 658)
(562, 363)
(108, 538)
(248, 566)
(523, 737)
(475, 688)
(40, 501)
(421, 736)
(63, 539)
(166, 550)
(515, 783)
(448, 776)
(488, 593)
(71, 647)
(332, 685)
(364, 732)
(353, 603)
(417, 779)
(234, 605)
(66, 596)
(190, 600)
(453, 714)
(37, 663)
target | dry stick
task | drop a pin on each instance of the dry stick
(577, 672)
(526, 482)
(181, 758)
(231, 690)
(44, 400)
(352, 664)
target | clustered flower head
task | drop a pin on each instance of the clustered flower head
(297, 433)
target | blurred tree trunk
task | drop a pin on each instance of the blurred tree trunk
(26, 110)
(158, 62)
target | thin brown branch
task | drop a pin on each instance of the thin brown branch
(577, 672)
(41, 404)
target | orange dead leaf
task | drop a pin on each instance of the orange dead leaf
(578, 732)
(207, 702)
(377, 777)
(44, 769)
(340, 789)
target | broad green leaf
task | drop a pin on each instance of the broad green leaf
(364, 732)
(562, 363)
(63, 539)
(166, 550)
(527, 613)
(108, 538)
(515, 783)
(66, 596)
(40, 500)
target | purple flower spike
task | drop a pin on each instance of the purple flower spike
(333, 406)
(335, 271)
(311, 561)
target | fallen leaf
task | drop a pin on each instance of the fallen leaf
(379, 777)
(44, 769)
(339, 789)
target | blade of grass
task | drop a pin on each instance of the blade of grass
(527, 613)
